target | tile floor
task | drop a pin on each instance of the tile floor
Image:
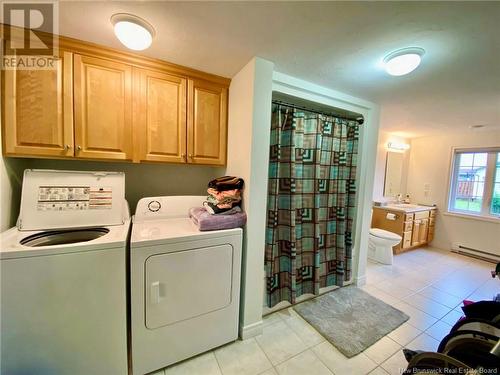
(427, 284)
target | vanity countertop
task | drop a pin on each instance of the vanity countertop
(405, 207)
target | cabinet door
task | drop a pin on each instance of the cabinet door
(38, 110)
(103, 109)
(415, 238)
(423, 231)
(207, 123)
(430, 234)
(160, 116)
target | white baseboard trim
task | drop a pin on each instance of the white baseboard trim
(360, 281)
(251, 330)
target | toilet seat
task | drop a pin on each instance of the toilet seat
(377, 232)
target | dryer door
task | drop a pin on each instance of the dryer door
(187, 284)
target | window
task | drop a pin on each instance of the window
(495, 201)
(475, 182)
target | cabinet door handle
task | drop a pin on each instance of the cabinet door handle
(190, 156)
(79, 148)
(183, 156)
(67, 147)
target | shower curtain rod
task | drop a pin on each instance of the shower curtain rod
(359, 119)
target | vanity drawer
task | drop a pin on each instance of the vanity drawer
(421, 215)
(408, 226)
(409, 217)
(406, 240)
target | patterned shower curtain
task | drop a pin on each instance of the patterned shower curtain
(311, 202)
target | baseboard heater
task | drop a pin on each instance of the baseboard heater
(475, 253)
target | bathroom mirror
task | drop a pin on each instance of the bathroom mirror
(393, 172)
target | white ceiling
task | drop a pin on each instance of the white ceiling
(335, 44)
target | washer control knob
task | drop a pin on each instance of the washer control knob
(154, 206)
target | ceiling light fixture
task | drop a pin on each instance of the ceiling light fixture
(403, 61)
(132, 31)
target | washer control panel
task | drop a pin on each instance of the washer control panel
(157, 208)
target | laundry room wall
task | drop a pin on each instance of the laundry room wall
(141, 180)
(11, 171)
(248, 148)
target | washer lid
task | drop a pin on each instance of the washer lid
(377, 232)
(71, 199)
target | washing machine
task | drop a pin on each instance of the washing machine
(185, 284)
(63, 276)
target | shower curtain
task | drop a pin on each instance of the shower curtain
(311, 202)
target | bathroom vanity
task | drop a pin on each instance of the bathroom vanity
(415, 224)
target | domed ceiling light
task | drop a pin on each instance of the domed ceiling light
(403, 61)
(132, 31)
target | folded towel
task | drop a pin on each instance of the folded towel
(226, 183)
(226, 196)
(214, 210)
(228, 200)
(204, 221)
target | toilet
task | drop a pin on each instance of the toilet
(380, 245)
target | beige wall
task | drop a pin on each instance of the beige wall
(11, 171)
(141, 180)
(248, 149)
(430, 161)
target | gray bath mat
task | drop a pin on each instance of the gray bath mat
(351, 319)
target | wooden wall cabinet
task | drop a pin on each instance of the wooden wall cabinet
(415, 228)
(160, 116)
(179, 120)
(103, 108)
(38, 110)
(105, 104)
(207, 123)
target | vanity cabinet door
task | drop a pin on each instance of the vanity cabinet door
(207, 123)
(415, 238)
(432, 226)
(423, 231)
(430, 234)
(38, 110)
(160, 116)
(103, 108)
